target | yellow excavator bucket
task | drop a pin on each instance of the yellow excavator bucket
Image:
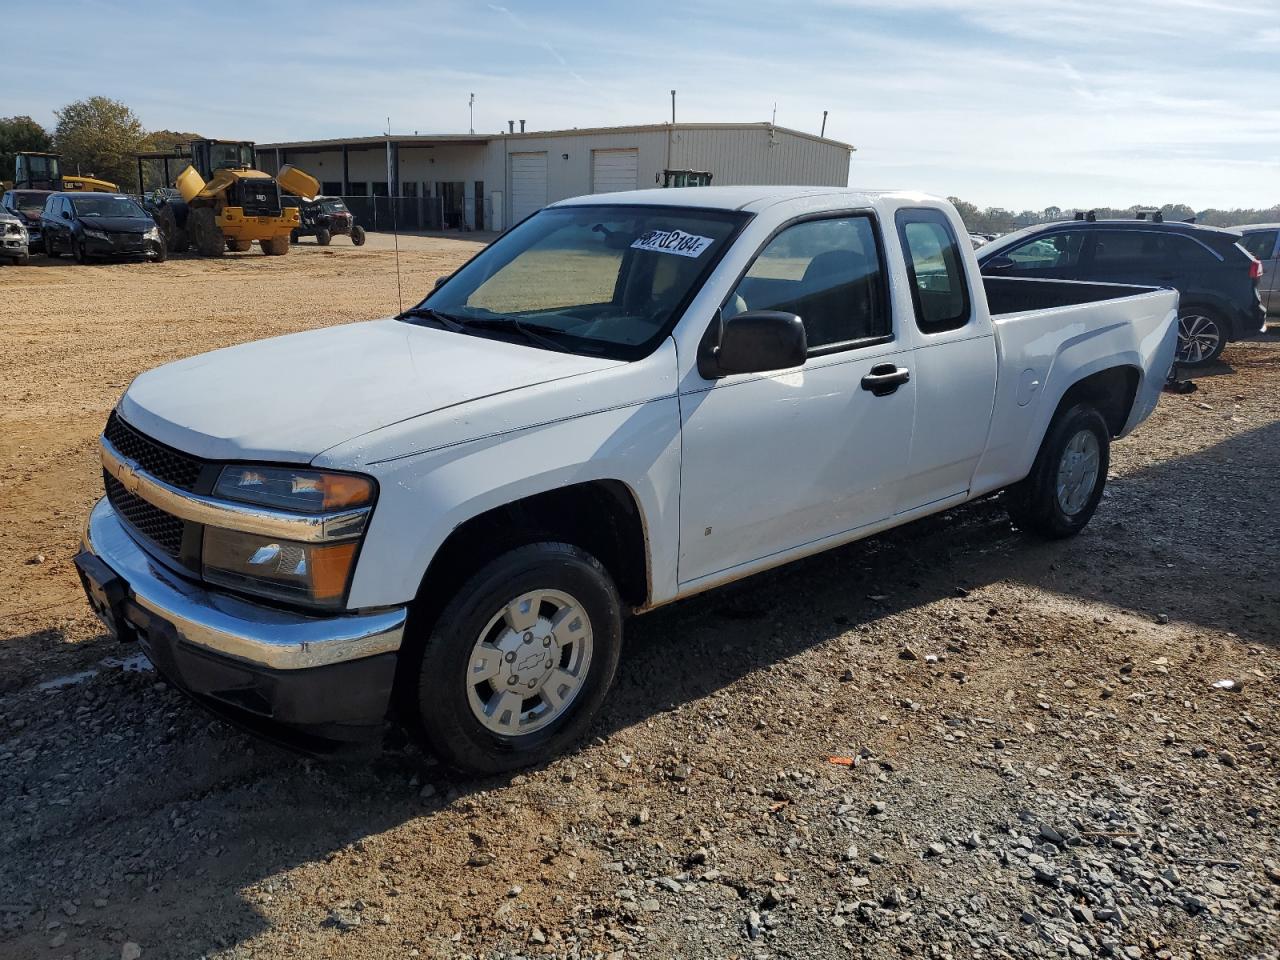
(298, 182)
(189, 183)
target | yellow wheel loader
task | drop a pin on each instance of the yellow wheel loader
(43, 171)
(231, 204)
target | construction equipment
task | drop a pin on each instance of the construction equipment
(34, 170)
(231, 204)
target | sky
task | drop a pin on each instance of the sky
(1077, 103)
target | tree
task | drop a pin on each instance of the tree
(98, 137)
(18, 134)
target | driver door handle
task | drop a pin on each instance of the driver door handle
(885, 378)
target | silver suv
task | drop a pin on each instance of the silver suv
(13, 239)
(1263, 241)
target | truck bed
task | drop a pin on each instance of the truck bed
(1020, 294)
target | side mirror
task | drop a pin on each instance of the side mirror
(66, 215)
(998, 263)
(755, 342)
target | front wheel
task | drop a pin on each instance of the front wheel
(275, 246)
(357, 235)
(1202, 337)
(520, 659)
(49, 249)
(323, 237)
(1060, 495)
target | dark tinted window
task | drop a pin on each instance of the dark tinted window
(1261, 244)
(938, 287)
(1048, 252)
(827, 272)
(1147, 249)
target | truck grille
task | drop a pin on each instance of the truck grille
(162, 529)
(174, 468)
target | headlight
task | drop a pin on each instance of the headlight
(306, 491)
(153, 233)
(95, 234)
(315, 574)
(306, 573)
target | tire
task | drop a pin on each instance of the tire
(175, 237)
(357, 235)
(202, 226)
(275, 246)
(293, 237)
(161, 253)
(1037, 504)
(578, 668)
(49, 250)
(323, 237)
(77, 251)
(238, 246)
(22, 260)
(1202, 336)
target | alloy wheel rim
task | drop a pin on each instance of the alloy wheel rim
(529, 663)
(1078, 472)
(1198, 338)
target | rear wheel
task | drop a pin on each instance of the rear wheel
(323, 237)
(1060, 495)
(357, 235)
(202, 225)
(520, 659)
(78, 252)
(49, 249)
(238, 246)
(275, 246)
(1202, 336)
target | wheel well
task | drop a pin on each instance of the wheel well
(601, 517)
(1112, 391)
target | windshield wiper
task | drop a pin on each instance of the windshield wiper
(530, 333)
(452, 323)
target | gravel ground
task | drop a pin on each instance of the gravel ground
(1035, 756)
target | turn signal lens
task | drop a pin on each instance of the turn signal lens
(300, 573)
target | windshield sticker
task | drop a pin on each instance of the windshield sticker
(673, 241)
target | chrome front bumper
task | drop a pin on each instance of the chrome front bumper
(226, 625)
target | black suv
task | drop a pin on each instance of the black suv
(1218, 279)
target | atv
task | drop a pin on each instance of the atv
(325, 218)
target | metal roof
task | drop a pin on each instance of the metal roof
(480, 139)
(732, 198)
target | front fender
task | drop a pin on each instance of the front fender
(424, 497)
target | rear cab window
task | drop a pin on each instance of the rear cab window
(939, 288)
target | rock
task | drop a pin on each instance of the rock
(650, 905)
(1046, 875)
(876, 809)
(428, 790)
(753, 926)
(58, 940)
(850, 853)
(537, 936)
(847, 676)
(1227, 759)
(1162, 618)
(37, 559)
(515, 891)
(935, 849)
(481, 858)
(130, 951)
(698, 857)
(681, 771)
(1052, 835)
(641, 817)
(906, 653)
(343, 918)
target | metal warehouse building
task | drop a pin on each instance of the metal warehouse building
(488, 182)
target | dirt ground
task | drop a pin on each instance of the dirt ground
(1038, 763)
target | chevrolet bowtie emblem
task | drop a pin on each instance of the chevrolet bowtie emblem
(128, 478)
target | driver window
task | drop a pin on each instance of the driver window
(827, 272)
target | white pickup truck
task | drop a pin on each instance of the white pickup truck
(444, 517)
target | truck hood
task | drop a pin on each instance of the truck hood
(290, 398)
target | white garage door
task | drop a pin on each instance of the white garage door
(528, 184)
(614, 170)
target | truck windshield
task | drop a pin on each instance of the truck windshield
(604, 280)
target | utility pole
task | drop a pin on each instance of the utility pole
(673, 108)
(823, 133)
(471, 105)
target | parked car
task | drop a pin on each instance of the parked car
(1262, 240)
(27, 205)
(1218, 280)
(13, 239)
(325, 218)
(624, 400)
(89, 225)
